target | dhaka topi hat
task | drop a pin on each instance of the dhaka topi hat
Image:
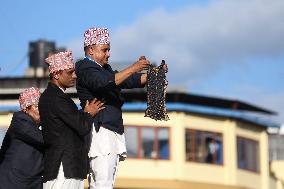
(60, 61)
(94, 36)
(29, 97)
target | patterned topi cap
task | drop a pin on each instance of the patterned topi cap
(29, 97)
(95, 36)
(60, 61)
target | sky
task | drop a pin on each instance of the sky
(222, 48)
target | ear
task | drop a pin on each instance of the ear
(27, 109)
(56, 75)
(91, 49)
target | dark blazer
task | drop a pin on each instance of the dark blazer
(94, 81)
(64, 128)
(21, 158)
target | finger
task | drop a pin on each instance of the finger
(97, 102)
(101, 104)
(98, 105)
(87, 103)
(165, 68)
(101, 108)
(145, 63)
(94, 100)
(142, 58)
(103, 101)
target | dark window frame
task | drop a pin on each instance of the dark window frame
(255, 155)
(194, 145)
(156, 142)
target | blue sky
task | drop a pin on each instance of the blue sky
(225, 48)
(62, 21)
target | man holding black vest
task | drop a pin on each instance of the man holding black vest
(96, 79)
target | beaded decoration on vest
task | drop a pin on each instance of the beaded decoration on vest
(156, 93)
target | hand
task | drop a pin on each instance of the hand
(141, 64)
(34, 113)
(93, 107)
(165, 67)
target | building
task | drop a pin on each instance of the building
(38, 51)
(211, 142)
(276, 137)
(207, 143)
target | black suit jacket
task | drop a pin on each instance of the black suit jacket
(94, 81)
(64, 129)
(21, 158)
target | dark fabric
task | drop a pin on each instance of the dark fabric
(64, 130)
(94, 81)
(21, 154)
(156, 93)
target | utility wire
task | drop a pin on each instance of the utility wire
(10, 68)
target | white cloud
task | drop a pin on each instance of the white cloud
(197, 41)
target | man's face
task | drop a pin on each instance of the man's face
(66, 78)
(100, 53)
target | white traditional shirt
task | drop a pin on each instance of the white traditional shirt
(107, 142)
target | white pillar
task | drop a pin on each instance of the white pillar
(230, 152)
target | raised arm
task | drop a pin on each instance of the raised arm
(138, 66)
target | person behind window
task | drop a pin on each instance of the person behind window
(212, 150)
(21, 154)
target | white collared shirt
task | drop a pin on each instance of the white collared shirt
(93, 61)
(62, 89)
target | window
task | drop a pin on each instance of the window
(147, 139)
(248, 154)
(163, 143)
(147, 142)
(204, 147)
(131, 141)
